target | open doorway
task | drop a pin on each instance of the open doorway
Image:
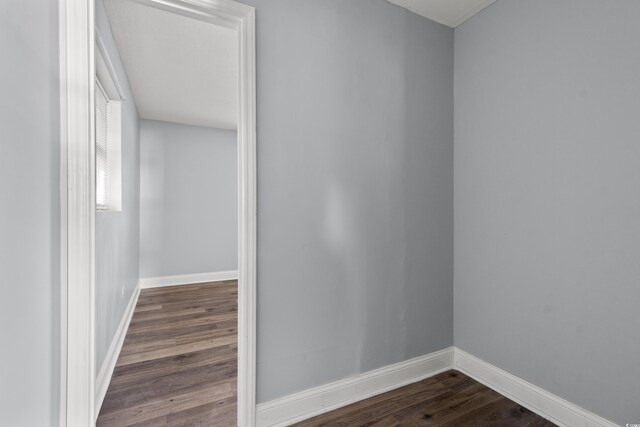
(178, 342)
(166, 217)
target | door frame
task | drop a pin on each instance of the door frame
(77, 191)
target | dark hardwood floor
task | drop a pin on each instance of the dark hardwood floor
(449, 399)
(178, 365)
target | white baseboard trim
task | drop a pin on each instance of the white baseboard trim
(534, 398)
(318, 400)
(188, 279)
(309, 403)
(109, 364)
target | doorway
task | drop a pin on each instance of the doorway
(78, 193)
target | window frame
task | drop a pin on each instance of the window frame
(102, 195)
(108, 84)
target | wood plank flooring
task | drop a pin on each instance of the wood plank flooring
(178, 367)
(178, 364)
(450, 399)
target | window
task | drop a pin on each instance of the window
(108, 110)
(102, 121)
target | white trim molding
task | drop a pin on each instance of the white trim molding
(309, 403)
(188, 279)
(543, 403)
(303, 405)
(77, 211)
(109, 69)
(109, 363)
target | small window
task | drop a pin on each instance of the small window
(102, 123)
(108, 110)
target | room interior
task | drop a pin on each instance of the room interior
(176, 219)
(441, 185)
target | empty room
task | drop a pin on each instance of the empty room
(320, 213)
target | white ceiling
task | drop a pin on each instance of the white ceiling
(179, 69)
(448, 12)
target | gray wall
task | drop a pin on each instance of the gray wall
(30, 213)
(188, 199)
(355, 189)
(118, 233)
(547, 207)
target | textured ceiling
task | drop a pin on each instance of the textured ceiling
(180, 70)
(448, 12)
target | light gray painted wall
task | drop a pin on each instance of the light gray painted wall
(118, 233)
(547, 213)
(30, 213)
(188, 199)
(355, 189)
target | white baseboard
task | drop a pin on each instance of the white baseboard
(109, 364)
(309, 403)
(188, 279)
(318, 400)
(532, 397)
